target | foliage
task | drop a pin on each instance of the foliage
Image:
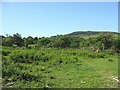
(96, 40)
(7, 41)
(58, 68)
(43, 42)
(17, 40)
(64, 61)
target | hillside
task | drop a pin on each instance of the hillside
(62, 61)
(88, 33)
(79, 39)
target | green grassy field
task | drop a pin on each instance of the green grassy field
(58, 68)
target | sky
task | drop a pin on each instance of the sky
(55, 18)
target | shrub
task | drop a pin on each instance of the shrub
(27, 76)
(5, 52)
(91, 54)
(101, 55)
(28, 56)
(110, 60)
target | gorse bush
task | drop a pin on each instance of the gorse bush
(5, 52)
(28, 76)
(92, 55)
(28, 56)
(97, 55)
(110, 60)
(86, 53)
(52, 67)
(22, 56)
(101, 55)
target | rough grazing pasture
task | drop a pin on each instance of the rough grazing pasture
(58, 68)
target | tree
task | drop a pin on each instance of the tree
(116, 44)
(84, 43)
(17, 40)
(7, 41)
(60, 41)
(43, 42)
(29, 40)
(1, 38)
(75, 44)
(35, 40)
(106, 40)
(64, 42)
(25, 42)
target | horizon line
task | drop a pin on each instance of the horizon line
(63, 33)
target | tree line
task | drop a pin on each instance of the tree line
(99, 41)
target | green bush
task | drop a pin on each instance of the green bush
(5, 52)
(38, 68)
(92, 55)
(101, 55)
(110, 60)
(28, 56)
(28, 76)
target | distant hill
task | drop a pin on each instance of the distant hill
(88, 33)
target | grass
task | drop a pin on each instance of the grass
(58, 68)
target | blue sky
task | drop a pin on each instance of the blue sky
(48, 19)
